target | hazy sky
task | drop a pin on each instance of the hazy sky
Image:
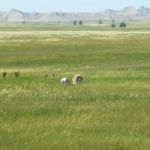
(70, 5)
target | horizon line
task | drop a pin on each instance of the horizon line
(119, 9)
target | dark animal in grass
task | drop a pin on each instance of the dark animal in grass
(4, 74)
(46, 76)
(53, 75)
(17, 74)
(77, 79)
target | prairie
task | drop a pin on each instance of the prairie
(109, 110)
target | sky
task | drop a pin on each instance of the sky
(69, 5)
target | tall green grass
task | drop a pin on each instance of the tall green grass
(108, 111)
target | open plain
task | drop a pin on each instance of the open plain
(109, 110)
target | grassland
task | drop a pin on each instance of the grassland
(108, 111)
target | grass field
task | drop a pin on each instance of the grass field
(110, 110)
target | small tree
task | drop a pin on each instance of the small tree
(123, 24)
(100, 22)
(80, 22)
(75, 22)
(113, 25)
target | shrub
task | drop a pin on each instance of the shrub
(123, 24)
(80, 22)
(75, 22)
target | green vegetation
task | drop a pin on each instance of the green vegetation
(123, 24)
(113, 24)
(100, 22)
(75, 22)
(80, 22)
(108, 111)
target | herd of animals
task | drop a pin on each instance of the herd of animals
(16, 74)
(64, 81)
(75, 80)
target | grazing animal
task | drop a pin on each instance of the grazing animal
(53, 75)
(77, 79)
(17, 74)
(65, 81)
(46, 75)
(4, 74)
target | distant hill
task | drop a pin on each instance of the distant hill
(128, 13)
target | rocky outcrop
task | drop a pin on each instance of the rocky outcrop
(14, 16)
(128, 13)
